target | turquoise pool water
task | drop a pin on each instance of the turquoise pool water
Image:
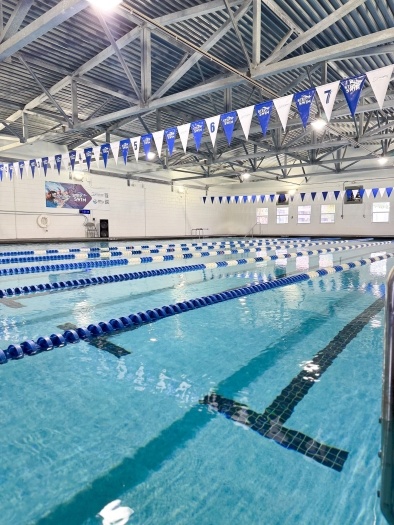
(82, 427)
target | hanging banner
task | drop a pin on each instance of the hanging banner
(170, 134)
(303, 101)
(324, 193)
(44, 163)
(75, 196)
(88, 156)
(72, 156)
(96, 152)
(228, 123)
(158, 137)
(262, 197)
(115, 150)
(33, 165)
(221, 199)
(388, 191)
(58, 162)
(197, 128)
(351, 88)
(146, 143)
(124, 148)
(245, 117)
(263, 112)
(183, 132)
(368, 192)
(213, 126)
(327, 95)
(1, 171)
(104, 148)
(136, 146)
(375, 192)
(380, 80)
(282, 106)
(336, 194)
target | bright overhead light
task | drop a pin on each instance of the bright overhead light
(320, 123)
(105, 5)
(382, 160)
(151, 155)
(245, 176)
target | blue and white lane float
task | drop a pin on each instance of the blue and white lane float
(132, 321)
(105, 279)
(155, 259)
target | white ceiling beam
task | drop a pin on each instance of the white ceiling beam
(256, 44)
(15, 21)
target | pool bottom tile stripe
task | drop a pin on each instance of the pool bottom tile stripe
(270, 423)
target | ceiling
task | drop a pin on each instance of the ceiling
(72, 77)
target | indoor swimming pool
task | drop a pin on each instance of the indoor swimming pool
(259, 404)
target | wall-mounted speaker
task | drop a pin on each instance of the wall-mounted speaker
(104, 228)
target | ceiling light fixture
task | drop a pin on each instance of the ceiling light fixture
(382, 160)
(105, 5)
(151, 155)
(245, 176)
(319, 124)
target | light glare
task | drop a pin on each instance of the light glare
(105, 5)
(382, 160)
(151, 155)
(319, 124)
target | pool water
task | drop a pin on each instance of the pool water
(262, 409)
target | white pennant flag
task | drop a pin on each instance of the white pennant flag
(381, 191)
(115, 150)
(379, 80)
(354, 192)
(342, 194)
(183, 132)
(158, 138)
(66, 161)
(327, 95)
(38, 166)
(245, 117)
(16, 170)
(213, 125)
(282, 106)
(249, 196)
(368, 192)
(51, 162)
(330, 195)
(96, 152)
(135, 144)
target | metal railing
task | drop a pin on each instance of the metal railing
(252, 230)
(199, 232)
(387, 419)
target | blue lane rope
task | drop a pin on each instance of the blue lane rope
(150, 259)
(46, 343)
(61, 285)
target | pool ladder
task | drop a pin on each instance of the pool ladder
(387, 419)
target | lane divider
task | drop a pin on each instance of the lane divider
(61, 285)
(132, 321)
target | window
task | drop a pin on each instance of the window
(380, 211)
(282, 199)
(327, 214)
(353, 195)
(262, 216)
(304, 214)
(282, 215)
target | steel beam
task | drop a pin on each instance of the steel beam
(146, 63)
(256, 49)
(15, 21)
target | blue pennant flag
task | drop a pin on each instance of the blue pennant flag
(21, 166)
(375, 191)
(44, 163)
(33, 165)
(349, 194)
(304, 100)
(388, 191)
(351, 88)
(204, 199)
(336, 194)
(1, 171)
(262, 197)
(228, 200)
(245, 198)
(104, 148)
(236, 198)
(72, 156)
(324, 193)
(220, 199)
(197, 128)
(212, 200)
(11, 170)
(88, 156)
(58, 162)
(124, 148)
(146, 143)
(361, 192)
(263, 112)
(272, 197)
(313, 195)
(302, 195)
(170, 135)
(228, 123)
(253, 198)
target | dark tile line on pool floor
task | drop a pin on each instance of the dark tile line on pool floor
(132, 471)
(270, 423)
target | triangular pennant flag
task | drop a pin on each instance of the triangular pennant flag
(327, 95)
(135, 142)
(342, 193)
(375, 191)
(282, 106)
(302, 195)
(330, 195)
(336, 194)
(245, 117)
(44, 162)
(16, 168)
(5, 170)
(368, 192)
(303, 101)
(170, 134)
(262, 197)
(228, 122)
(104, 148)
(33, 165)
(213, 125)
(65, 160)
(313, 195)
(124, 146)
(220, 200)
(88, 156)
(21, 165)
(324, 193)
(72, 156)
(38, 165)
(1, 171)
(351, 88)
(380, 80)
(146, 143)
(228, 200)
(245, 199)
(381, 191)
(58, 163)
(253, 198)
(389, 190)
(96, 151)
(158, 137)
(204, 199)
(236, 198)
(212, 200)
(354, 193)
(197, 128)
(115, 150)
(183, 132)
(272, 197)
(361, 191)
(263, 112)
